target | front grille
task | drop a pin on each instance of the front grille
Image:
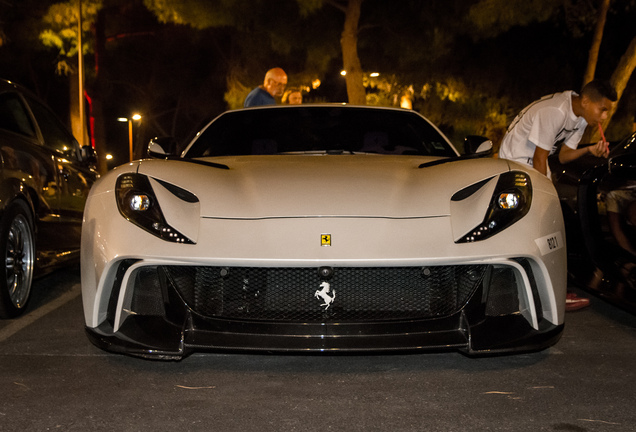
(354, 294)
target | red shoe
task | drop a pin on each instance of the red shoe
(574, 302)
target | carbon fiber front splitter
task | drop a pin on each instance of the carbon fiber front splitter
(156, 338)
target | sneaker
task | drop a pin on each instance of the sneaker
(574, 302)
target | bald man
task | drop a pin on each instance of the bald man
(273, 86)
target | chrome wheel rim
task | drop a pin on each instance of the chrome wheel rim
(19, 261)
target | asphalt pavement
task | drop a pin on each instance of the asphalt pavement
(52, 378)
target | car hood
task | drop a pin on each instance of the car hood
(322, 185)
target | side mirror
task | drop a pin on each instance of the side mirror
(162, 148)
(477, 146)
(89, 156)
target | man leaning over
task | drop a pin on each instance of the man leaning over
(561, 117)
(536, 131)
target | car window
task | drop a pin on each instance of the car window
(320, 129)
(14, 116)
(55, 135)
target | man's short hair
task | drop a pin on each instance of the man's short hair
(598, 89)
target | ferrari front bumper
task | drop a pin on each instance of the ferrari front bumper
(169, 311)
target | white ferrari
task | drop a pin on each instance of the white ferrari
(322, 228)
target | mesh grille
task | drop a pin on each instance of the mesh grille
(293, 294)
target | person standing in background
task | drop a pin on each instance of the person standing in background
(273, 87)
(293, 96)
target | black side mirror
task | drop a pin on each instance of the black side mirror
(162, 148)
(89, 156)
(478, 146)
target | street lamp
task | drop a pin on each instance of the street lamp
(136, 117)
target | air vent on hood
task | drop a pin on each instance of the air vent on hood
(178, 192)
(468, 191)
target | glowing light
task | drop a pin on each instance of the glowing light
(405, 102)
(139, 202)
(374, 74)
(343, 73)
(508, 201)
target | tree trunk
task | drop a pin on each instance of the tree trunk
(619, 80)
(351, 62)
(592, 58)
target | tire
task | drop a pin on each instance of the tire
(17, 258)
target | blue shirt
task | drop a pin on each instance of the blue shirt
(258, 97)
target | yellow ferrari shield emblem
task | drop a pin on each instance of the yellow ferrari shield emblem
(325, 240)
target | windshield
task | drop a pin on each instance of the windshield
(319, 129)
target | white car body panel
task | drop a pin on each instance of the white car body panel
(295, 241)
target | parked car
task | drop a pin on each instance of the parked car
(596, 260)
(45, 179)
(322, 228)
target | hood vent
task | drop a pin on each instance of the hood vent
(468, 191)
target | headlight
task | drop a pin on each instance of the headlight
(137, 203)
(510, 202)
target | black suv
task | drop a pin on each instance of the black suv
(44, 180)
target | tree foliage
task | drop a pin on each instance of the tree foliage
(22, 56)
(492, 17)
(258, 37)
(61, 30)
(200, 14)
(470, 65)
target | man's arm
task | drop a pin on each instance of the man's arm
(540, 160)
(568, 154)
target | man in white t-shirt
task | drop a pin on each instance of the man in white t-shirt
(561, 117)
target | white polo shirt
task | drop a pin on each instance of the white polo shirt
(543, 123)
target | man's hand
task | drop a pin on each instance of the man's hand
(567, 154)
(600, 149)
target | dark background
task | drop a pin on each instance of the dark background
(468, 72)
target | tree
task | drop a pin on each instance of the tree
(255, 38)
(23, 58)
(596, 42)
(619, 79)
(120, 29)
(203, 15)
(490, 17)
(349, 44)
(61, 33)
